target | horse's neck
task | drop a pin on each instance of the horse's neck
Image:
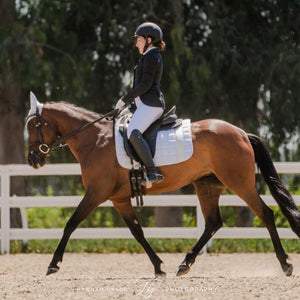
(65, 120)
(69, 120)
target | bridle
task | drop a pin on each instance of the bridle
(43, 147)
(60, 141)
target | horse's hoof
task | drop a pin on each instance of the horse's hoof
(182, 269)
(52, 270)
(288, 269)
(160, 274)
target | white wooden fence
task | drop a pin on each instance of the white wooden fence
(7, 201)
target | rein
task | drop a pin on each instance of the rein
(58, 144)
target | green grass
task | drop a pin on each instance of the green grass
(159, 245)
(103, 246)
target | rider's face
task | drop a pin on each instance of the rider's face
(140, 43)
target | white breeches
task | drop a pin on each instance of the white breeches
(143, 117)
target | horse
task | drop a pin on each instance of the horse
(224, 156)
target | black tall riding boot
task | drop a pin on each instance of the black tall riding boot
(142, 149)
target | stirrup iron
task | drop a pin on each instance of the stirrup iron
(146, 182)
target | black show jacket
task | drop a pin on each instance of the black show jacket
(147, 76)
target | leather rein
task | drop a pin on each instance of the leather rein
(60, 141)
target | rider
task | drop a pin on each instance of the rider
(146, 94)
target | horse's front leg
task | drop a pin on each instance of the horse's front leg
(126, 210)
(89, 202)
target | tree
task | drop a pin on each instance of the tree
(238, 53)
(12, 106)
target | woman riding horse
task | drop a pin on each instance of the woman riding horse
(146, 94)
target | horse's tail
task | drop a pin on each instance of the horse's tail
(277, 189)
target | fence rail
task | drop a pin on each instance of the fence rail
(7, 201)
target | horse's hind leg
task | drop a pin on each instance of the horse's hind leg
(126, 210)
(208, 191)
(266, 215)
(243, 185)
(237, 173)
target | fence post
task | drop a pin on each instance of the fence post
(5, 212)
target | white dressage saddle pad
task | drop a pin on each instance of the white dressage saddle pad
(172, 146)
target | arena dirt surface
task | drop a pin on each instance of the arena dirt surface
(130, 276)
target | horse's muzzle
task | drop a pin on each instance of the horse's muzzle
(36, 159)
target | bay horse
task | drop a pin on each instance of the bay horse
(224, 157)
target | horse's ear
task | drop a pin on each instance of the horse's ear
(33, 101)
(35, 105)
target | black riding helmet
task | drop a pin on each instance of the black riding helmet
(149, 29)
